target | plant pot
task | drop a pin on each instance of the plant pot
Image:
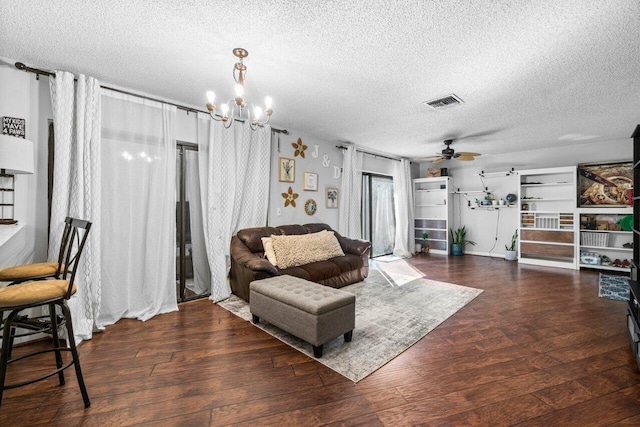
(457, 249)
(510, 255)
(418, 248)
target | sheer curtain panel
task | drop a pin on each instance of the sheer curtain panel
(403, 197)
(234, 168)
(76, 186)
(138, 208)
(350, 208)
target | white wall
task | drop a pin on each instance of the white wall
(327, 165)
(482, 224)
(22, 96)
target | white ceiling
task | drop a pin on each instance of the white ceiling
(532, 74)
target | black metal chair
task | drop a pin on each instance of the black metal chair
(51, 292)
(28, 272)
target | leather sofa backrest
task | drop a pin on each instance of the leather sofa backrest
(289, 230)
(251, 237)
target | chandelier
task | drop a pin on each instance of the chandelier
(239, 108)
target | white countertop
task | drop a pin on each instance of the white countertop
(8, 231)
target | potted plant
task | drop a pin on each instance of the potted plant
(425, 245)
(510, 253)
(458, 240)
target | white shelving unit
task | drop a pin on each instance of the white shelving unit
(432, 212)
(605, 243)
(548, 219)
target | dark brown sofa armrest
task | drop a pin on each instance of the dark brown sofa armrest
(244, 257)
(354, 246)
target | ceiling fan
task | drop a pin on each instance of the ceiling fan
(449, 153)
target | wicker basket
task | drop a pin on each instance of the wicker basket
(594, 239)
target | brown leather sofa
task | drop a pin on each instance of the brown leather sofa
(248, 262)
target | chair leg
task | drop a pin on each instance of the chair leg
(7, 342)
(56, 341)
(74, 352)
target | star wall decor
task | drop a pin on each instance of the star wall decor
(290, 198)
(299, 148)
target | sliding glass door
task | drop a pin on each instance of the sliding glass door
(193, 276)
(378, 216)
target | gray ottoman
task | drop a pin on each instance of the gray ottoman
(307, 310)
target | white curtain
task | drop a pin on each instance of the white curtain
(76, 187)
(350, 207)
(403, 197)
(138, 208)
(234, 168)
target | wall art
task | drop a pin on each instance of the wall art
(299, 148)
(605, 184)
(331, 197)
(310, 207)
(290, 198)
(310, 181)
(286, 169)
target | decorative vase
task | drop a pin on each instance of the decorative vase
(457, 249)
(510, 255)
(425, 249)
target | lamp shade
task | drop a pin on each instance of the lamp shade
(16, 155)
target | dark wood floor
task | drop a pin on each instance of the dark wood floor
(537, 348)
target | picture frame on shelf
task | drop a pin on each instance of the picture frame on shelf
(310, 181)
(331, 197)
(605, 185)
(286, 169)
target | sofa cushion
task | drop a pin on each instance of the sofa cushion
(347, 262)
(296, 250)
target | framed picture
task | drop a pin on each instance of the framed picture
(605, 184)
(286, 169)
(331, 199)
(310, 181)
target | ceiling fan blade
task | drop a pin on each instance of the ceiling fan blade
(465, 158)
(464, 153)
(438, 160)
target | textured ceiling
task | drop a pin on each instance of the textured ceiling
(532, 74)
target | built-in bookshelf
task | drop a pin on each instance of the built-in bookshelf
(547, 212)
(633, 307)
(432, 212)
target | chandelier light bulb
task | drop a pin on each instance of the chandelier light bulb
(268, 102)
(225, 110)
(256, 113)
(211, 97)
(239, 90)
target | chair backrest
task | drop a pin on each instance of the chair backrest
(74, 238)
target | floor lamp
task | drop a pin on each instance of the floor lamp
(16, 157)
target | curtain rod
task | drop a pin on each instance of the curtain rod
(342, 147)
(39, 72)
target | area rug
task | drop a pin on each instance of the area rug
(613, 287)
(389, 319)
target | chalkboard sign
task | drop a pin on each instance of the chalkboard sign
(13, 126)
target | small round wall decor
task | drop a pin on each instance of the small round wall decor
(310, 207)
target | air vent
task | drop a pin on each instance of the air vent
(444, 102)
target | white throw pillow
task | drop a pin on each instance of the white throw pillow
(268, 251)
